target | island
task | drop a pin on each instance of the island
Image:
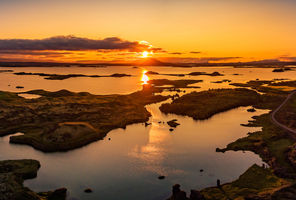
(275, 143)
(66, 76)
(64, 120)
(12, 175)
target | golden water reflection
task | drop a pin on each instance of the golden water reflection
(144, 77)
(154, 152)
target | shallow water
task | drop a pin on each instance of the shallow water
(127, 166)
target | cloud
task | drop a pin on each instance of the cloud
(197, 60)
(176, 53)
(72, 43)
(195, 52)
(288, 58)
(33, 53)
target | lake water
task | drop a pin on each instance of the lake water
(128, 165)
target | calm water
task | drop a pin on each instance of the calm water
(127, 166)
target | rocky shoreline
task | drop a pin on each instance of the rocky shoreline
(275, 146)
(64, 120)
(12, 175)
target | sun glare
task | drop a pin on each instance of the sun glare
(145, 54)
(144, 78)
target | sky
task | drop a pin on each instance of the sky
(173, 30)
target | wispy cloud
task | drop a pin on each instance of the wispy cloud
(176, 53)
(197, 60)
(33, 53)
(288, 58)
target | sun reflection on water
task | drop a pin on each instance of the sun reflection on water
(144, 77)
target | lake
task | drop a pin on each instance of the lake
(128, 165)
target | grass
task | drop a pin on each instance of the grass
(12, 175)
(202, 105)
(256, 180)
(45, 121)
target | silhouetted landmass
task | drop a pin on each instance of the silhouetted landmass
(190, 74)
(66, 76)
(12, 175)
(202, 105)
(184, 83)
(205, 74)
(223, 81)
(156, 73)
(4, 70)
(283, 69)
(151, 62)
(64, 120)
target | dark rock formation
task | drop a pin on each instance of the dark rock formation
(178, 194)
(88, 190)
(251, 110)
(173, 123)
(12, 175)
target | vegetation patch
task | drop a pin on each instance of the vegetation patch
(64, 120)
(202, 105)
(12, 175)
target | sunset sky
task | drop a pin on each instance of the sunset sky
(174, 30)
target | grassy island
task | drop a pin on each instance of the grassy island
(12, 175)
(64, 120)
(202, 105)
(273, 144)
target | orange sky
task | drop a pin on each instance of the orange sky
(252, 30)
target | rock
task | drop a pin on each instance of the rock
(178, 194)
(159, 122)
(251, 110)
(278, 70)
(60, 193)
(173, 123)
(151, 73)
(171, 129)
(19, 87)
(161, 177)
(216, 74)
(201, 170)
(109, 138)
(218, 183)
(88, 190)
(147, 124)
(196, 195)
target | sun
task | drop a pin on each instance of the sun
(145, 54)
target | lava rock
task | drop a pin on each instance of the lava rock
(88, 190)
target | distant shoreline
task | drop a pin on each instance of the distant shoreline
(154, 62)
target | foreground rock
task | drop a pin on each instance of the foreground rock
(178, 194)
(63, 120)
(12, 175)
